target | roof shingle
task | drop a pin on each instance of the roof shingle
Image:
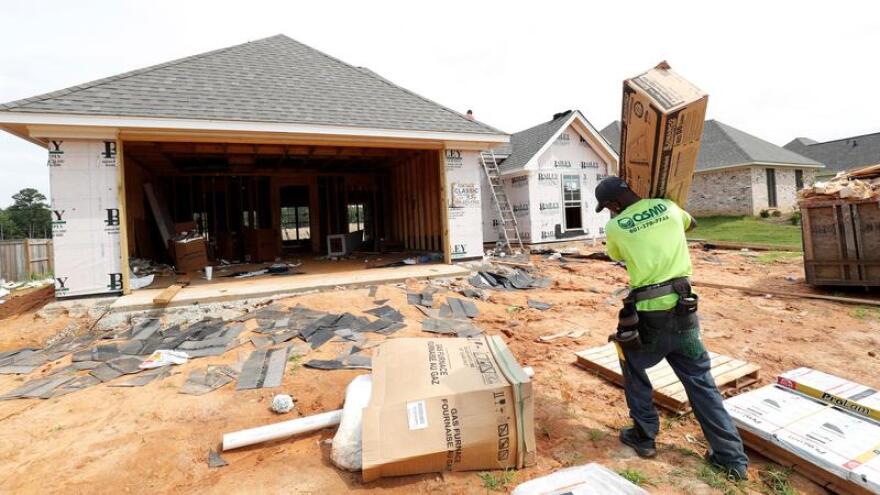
(840, 154)
(275, 79)
(524, 144)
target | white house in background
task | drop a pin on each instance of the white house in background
(549, 173)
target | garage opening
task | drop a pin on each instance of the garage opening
(280, 209)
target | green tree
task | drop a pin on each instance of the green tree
(30, 213)
(8, 228)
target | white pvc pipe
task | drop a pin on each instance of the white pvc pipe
(283, 429)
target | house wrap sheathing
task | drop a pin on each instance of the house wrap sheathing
(550, 173)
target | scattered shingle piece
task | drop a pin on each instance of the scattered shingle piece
(214, 459)
(252, 373)
(541, 306)
(275, 365)
(144, 378)
(202, 381)
(386, 312)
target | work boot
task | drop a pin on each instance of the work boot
(643, 446)
(734, 473)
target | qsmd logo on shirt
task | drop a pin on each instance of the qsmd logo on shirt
(627, 223)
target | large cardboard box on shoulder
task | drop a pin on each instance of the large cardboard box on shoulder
(447, 405)
(660, 130)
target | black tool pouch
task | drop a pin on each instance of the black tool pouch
(687, 300)
(627, 326)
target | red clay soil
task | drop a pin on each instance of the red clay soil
(153, 440)
(22, 301)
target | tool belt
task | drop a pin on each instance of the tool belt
(628, 318)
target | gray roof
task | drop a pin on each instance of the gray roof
(275, 79)
(524, 144)
(840, 154)
(726, 146)
(611, 133)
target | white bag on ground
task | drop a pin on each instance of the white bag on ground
(164, 357)
(589, 479)
(346, 450)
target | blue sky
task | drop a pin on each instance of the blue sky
(774, 69)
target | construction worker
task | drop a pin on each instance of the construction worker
(659, 320)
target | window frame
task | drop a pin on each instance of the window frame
(772, 199)
(572, 203)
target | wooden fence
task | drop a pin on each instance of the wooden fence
(22, 258)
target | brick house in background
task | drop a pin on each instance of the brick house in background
(740, 174)
(840, 154)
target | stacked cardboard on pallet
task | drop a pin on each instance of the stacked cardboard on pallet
(447, 405)
(661, 128)
(836, 443)
(834, 390)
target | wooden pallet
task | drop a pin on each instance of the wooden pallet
(730, 375)
(816, 474)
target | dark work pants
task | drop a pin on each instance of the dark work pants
(677, 338)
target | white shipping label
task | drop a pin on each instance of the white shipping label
(417, 415)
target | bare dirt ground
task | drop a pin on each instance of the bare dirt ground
(153, 440)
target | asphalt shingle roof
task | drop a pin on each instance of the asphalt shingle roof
(726, 146)
(524, 144)
(840, 154)
(611, 133)
(275, 79)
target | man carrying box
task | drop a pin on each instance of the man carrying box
(659, 320)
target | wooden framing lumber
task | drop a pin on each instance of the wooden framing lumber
(123, 218)
(167, 295)
(744, 245)
(444, 208)
(781, 293)
(669, 393)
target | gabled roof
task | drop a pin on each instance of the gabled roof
(840, 154)
(611, 133)
(275, 80)
(724, 146)
(525, 145)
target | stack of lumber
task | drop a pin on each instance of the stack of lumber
(859, 184)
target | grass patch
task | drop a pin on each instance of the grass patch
(866, 313)
(686, 452)
(774, 256)
(596, 435)
(718, 480)
(294, 362)
(634, 476)
(775, 480)
(498, 482)
(748, 230)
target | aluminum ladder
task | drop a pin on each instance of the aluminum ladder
(509, 229)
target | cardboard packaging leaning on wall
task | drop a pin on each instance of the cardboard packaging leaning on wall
(661, 127)
(447, 405)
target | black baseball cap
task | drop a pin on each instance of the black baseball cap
(609, 189)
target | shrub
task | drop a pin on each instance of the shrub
(776, 213)
(795, 218)
(765, 214)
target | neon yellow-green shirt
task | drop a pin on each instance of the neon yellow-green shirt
(649, 237)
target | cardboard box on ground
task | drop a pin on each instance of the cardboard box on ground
(189, 255)
(447, 405)
(660, 130)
